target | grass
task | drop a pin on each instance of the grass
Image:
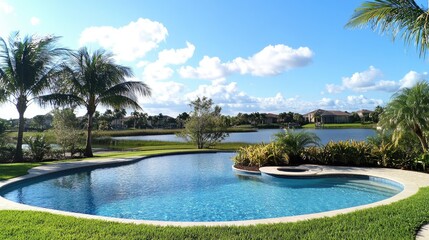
(342, 125)
(11, 170)
(399, 220)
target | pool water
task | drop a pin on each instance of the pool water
(194, 187)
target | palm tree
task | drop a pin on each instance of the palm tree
(396, 17)
(408, 112)
(294, 142)
(26, 68)
(95, 79)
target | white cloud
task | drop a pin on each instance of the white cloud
(219, 90)
(360, 81)
(332, 88)
(6, 7)
(326, 102)
(370, 80)
(129, 42)
(363, 101)
(176, 56)
(34, 21)
(270, 61)
(411, 78)
(158, 70)
(208, 68)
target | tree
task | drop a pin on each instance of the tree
(95, 79)
(408, 113)
(65, 126)
(375, 115)
(139, 119)
(205, 126)
(298, 118)
(181, 119)
(396, 17)
(41, 122)
(26, 68)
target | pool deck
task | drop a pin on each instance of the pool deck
(411, 181)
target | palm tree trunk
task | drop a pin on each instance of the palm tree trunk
(88, 148)
(21, 106)
(18, 154)
(422, 138)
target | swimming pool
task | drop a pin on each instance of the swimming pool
(194, 188)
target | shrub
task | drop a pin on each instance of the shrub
(7, 152)
(401, 154)
(350, 153)
(261, 155)
(313, 155)
(38, 148)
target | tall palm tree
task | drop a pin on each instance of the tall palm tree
(95, 79)
(408, 112)
(396, 17)
(26, 68)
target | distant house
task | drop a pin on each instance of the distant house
(271, 118)
(364, 114)
(327, 116)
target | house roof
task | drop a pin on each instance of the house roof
(328, 113)
(364, 111)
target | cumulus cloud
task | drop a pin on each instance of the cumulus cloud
(129, 42)
(5, 7)
(219, 90)
(371, 80)
(411, 78)
(359, 81)
(270, 61)
(34, 21)
(158, 70)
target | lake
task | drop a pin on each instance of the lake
(267, 135)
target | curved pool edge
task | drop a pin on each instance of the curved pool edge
(411, 182)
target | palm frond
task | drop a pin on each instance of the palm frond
(129, 88)
(58, 99)
(395, 17)
(118, 101)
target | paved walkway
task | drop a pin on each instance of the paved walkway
(411, 181)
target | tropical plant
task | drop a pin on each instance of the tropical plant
(349, 153)
(408, 113)
(260, 155)
(294, 142)
(38, 148)
(388, 154)
(26, 68)
(396, 17)
(205, 126)
(95, 79)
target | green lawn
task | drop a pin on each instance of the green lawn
(342, 125)
(399, 220)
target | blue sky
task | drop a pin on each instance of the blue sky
(266, 56)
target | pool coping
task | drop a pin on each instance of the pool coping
(410, 180)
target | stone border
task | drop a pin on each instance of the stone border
(411, 181)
